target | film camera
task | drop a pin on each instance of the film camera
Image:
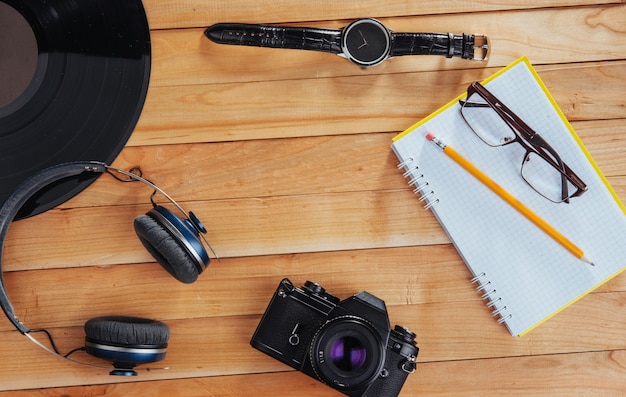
(347, 344)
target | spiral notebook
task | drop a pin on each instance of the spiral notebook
(524, 276)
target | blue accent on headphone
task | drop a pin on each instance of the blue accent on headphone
(187, 231)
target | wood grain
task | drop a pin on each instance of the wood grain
(349, 105)
(168, 14)
(219, 346)
(557, 375)
(285, 156)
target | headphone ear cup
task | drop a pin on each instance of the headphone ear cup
(126, 341)
(166, 249)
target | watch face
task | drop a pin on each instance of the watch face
(366, 42)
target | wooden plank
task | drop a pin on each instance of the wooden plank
(256, 169)
(350, 105)
(268, 168)
(219, 346)
(241, 227)
(242, 286)
(560, 375)
(619, 185)
(170, 14)
(554, 375)
(564, 35)
(605, 140)
(239, 286)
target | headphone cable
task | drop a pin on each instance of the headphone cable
(54, 351)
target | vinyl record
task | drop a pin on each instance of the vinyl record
(73, 80)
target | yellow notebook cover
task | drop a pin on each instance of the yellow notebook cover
(524, 276)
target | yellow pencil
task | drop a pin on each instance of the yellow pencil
(508, 197)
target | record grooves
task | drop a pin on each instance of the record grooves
(90, 79)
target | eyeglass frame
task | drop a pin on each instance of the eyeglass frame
(530, 140)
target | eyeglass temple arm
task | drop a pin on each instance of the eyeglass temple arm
(503, 111)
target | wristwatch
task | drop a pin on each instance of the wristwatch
(365, 42)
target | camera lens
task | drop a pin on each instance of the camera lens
(347, 352)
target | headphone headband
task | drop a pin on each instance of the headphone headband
(174, 242)
(18, 198)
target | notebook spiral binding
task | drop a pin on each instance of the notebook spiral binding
(417, 181)
(490, 293)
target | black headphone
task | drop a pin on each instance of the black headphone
(174, 242)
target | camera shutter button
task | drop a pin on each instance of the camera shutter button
(314, 288)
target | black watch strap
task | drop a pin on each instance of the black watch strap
(300, 38)
(449, 45)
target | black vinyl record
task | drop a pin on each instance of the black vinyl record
(83, 92)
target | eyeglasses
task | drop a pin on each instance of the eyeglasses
(496, 125)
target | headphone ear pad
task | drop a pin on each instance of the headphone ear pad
(126, 341)
(127, 331)
(166, 249)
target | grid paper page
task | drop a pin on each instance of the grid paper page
(525, 275)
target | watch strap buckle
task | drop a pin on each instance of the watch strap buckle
(481, 46)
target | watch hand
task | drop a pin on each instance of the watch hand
(364, 41)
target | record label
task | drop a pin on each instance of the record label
(18, 59)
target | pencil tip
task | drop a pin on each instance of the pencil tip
(585, 259)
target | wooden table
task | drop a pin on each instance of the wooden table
(286, 157)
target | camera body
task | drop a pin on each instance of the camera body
(347, 344)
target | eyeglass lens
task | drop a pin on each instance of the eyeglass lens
(486, 122)
(546, 179)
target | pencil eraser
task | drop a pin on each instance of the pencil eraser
(430, 136)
